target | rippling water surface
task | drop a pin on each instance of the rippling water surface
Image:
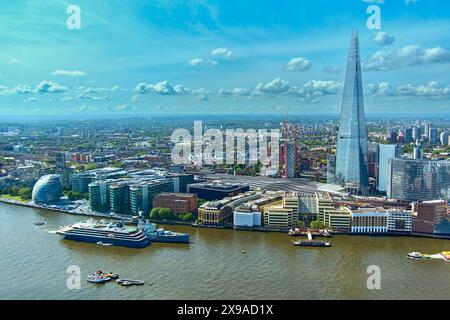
(33, 263)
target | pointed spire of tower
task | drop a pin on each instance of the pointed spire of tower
(351, 158)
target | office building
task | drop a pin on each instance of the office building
(433, 135)
(81, 181)
(216, 190)
(351, 157)
(409, 135)
(399, 221)
(331, 168)
(177, 202)
(278, 217)
(444, 138)
(428, 215)
(181, 181)
(143, 193)
(386, 153)
(369, 220)
(418, 180)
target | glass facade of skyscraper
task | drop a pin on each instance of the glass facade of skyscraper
(351, 153)
(386, 152)
(418, 180)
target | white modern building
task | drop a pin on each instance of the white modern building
(400, 221)
(245, 217)
(369, 220)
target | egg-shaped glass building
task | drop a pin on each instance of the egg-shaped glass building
(48, 189)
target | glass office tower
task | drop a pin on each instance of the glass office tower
(351, 153)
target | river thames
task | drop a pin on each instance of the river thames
(34, 260)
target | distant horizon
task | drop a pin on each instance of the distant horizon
(260, 116)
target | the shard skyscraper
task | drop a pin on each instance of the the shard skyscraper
(351, 154)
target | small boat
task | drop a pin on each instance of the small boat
(311, 243)
(100, 243)
(130, 281)
(417, 255)
(39, 223)
(243, 251)
(95, 278)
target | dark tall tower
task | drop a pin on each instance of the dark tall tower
(351, 153)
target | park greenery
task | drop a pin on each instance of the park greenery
(168, 214)
(316, 224)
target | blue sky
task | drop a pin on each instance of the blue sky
(215, 57)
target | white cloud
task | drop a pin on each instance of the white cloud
(275, 86)
(407, 56)
(431, 91)
(317, 88)
(69, 73)
(298, 64)
(50, 87)
(165, 88)
(19, 89)
(383, 39)
(223, 53)
(198, 62)
(234, 92)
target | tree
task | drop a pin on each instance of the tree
(25, 193)
(154, 214)
(316, 224)
(188, 217)
(301, 224)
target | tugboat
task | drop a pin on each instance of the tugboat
(160, 235)
(311, 243)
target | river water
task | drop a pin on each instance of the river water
(34, 261)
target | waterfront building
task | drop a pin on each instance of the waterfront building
(386, 153)
(338, 219)
(290, 201)
(119, 197)
(221, 211)
(98, 195)
(247, 216)
(351, 157)
(143, 193)
(81, 181)
(307, 207)
(47, 190)
(177, 202)
(418, 180)
(399, 221)
(369, 220)
(278, 217)
(216, 190)
(324, 202)
(428, 215)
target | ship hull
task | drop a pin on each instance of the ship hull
(116, 242)
(169, 239)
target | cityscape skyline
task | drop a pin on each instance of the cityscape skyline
(267, 62)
